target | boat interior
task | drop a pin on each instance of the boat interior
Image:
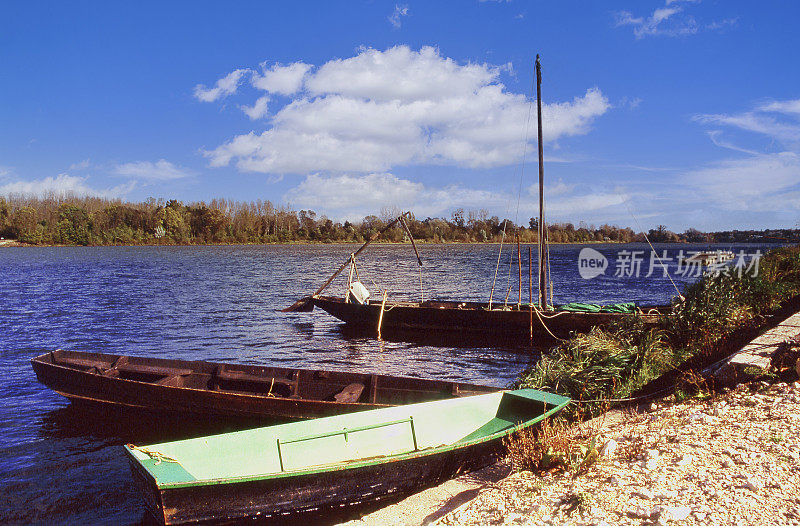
(364, 436)
(276, 382)
(476, 305)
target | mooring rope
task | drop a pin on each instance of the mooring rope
(633, 399)
(156, 455)
(539, 315)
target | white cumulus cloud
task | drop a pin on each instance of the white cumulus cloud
(355, 196)
(755, 122)
(161, 170)
(381, 109)
(402, 74)
(225, 86)
(84, 164)
(280, 79)
(670, 20)
(758, 182)
(399, 11)
(655, 24)
(761, 181)
(258, 110)
(777, 119)
(791, 107)
(338, 192)
(63, 185)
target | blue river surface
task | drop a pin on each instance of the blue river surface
(61, 465)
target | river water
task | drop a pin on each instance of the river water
(64, 465)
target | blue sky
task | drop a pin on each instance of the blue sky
(676, 112)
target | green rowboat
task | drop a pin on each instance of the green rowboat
(337, 461)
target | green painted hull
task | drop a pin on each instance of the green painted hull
(331, 462)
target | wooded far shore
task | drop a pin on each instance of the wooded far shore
(72, 220)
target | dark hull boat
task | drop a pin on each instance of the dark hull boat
(496, 319)
(335, 462)
(472, 317)
(231, 390)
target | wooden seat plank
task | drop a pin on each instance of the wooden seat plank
(152, 370)
(350, 393)
(241, 376)
(88, 364)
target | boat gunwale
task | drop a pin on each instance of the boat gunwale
(484, 307)
(358, 463)
(186, 388)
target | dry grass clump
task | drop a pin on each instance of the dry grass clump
(554, 445)
(601, 365)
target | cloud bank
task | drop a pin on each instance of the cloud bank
(383, 109)
(762, 180)
(334, 194)
(225, 86)
(161, 170)
(671, 20)
(63, 185)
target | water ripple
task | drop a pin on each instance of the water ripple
(60, 466)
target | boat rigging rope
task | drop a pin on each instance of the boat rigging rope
(497, 267)
(419, 259)
(680, 296)
(355, 267)
(549, 266)
(377, 288)
(421, 290)
(155, 455)
(525, 148)
(519, 194)
(508, 281)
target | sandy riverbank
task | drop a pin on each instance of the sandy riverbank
(732, 459)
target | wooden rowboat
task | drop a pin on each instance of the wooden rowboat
(333, 462)
(231, 390)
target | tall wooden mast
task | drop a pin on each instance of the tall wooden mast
(542, 229)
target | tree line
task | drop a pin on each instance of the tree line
(72, 220)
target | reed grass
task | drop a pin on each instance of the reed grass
(607, 365)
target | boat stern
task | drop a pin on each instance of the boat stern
(518, 406)
(152, 471)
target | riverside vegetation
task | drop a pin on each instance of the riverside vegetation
(71, 220)
(606, 366)
(615, 362)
